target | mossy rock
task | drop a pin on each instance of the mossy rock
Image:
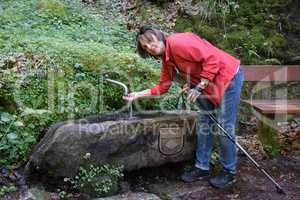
(268, 136)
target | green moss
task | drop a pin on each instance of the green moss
(209, 32)
(53, 6)
(236, 38)
(274, 44)
(250, 33)
(163, 196)
(294, 26)
(9, 16)
(276, 39)
(184, 24)
(270, 25)
(257, 35)
(93, 61)
(258, 18)
(268, 136)
(143, 13)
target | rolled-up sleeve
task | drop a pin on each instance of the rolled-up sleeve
(165, 80)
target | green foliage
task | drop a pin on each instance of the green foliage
(96, 180)
(143, 13)
(163, 196)
(15, 140)
(271, 150)
(64, 195)
(249, 30)
(7, 189)
(268, 136)
(53, 6)
(65, 52)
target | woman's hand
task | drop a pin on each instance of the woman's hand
(185, 88)
(193, 94)
(131, 96)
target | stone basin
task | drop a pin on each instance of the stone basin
(147, 139)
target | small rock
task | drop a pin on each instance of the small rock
(124, 187)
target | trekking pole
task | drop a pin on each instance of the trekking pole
(278, 188)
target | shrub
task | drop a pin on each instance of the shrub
(97, 181)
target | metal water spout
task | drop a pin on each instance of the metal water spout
(125, 92)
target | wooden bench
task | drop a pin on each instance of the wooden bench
(271, 111)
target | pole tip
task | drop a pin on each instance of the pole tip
(280, 190)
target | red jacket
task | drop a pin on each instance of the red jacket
(196, 58)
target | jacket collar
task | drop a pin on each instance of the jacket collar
(167, 53)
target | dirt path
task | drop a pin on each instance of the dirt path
(251, 184)
(163, 181)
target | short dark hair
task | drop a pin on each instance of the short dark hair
(148, 31)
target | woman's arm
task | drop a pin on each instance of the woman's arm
(160, 88)
(135, 95)
(165, 81)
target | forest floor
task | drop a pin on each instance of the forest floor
(164, 181)
(251, 183)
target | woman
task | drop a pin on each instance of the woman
(208, 71)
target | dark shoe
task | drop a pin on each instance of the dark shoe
(223, 179)
(195, 174)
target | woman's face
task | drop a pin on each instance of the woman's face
(152, 45)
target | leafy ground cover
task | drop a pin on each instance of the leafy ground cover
(54, 58)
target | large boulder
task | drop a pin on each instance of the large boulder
(148, 139)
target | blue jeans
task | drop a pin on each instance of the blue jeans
(226, 115)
